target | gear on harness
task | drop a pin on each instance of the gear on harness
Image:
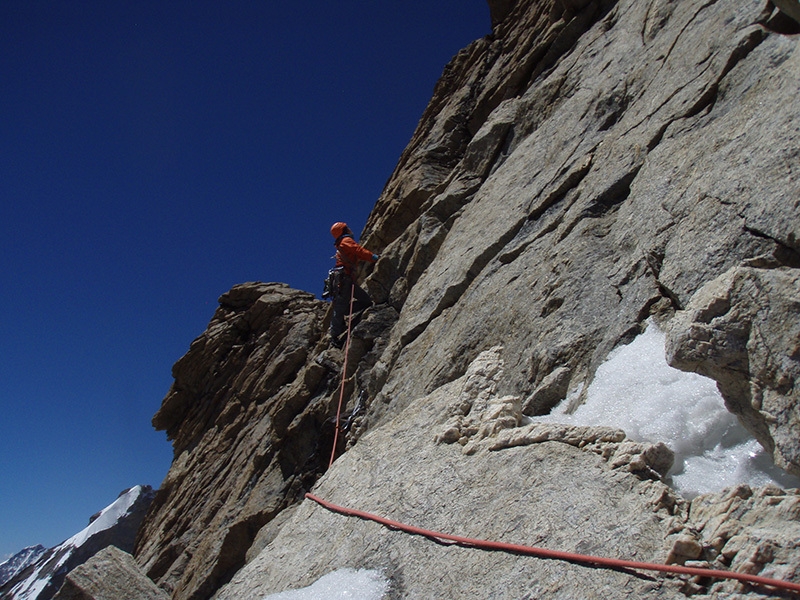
(331, 285)
(361, 405)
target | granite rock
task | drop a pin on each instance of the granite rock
(111, 574)
(743, 330)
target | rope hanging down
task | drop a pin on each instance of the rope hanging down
(344, 375)
(556, 554)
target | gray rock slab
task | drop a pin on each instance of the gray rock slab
(743, 330)
(548, 494)
(110, 575)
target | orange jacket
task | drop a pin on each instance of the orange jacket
(348, 253)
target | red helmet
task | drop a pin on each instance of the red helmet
(339, 229)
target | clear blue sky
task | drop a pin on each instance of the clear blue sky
(152, 155)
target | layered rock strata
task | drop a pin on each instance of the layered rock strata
(231, 415)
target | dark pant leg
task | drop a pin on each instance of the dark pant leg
(341, 305)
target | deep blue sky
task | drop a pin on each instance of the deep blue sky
(152, 155)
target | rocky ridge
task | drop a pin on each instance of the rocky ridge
(248, 422)
(587, 166)
(20, 561)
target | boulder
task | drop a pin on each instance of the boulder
(111, 574)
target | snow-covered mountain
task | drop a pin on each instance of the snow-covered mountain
(39, 573)
(20, 561)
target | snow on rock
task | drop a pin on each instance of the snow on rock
(350, 584)
(19, 562)
(637, 391)
(108, 517)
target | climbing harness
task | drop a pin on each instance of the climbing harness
(344, 375)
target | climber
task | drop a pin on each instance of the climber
(348, 254)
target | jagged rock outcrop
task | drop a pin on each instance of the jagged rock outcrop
(744, 530)
(242, 431)
(482, 420)
(250, 415)
(590, 164)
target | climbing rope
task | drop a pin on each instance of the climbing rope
(344, 375)
(555, 554)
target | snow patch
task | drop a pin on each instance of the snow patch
(344, 584)
(637, 391)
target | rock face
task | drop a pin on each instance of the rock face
(589, 165)
(439, 487)
(742, 329)
(576, 489)
(594, 197)
(250, 414)
(246, 440)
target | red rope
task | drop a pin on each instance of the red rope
(556, 554)
(344, 375)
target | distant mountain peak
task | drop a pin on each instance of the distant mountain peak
(36, 573)
(19, 562)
